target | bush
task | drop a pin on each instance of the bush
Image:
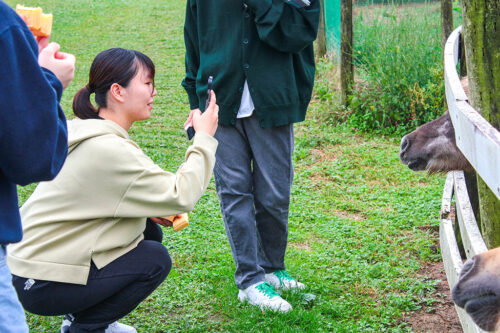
(399, 83)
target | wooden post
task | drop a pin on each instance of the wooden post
(446, 19)
(446, 26)
(346, 63)
(463, 62)
(471, 182)
(321, 39)
(481, 22)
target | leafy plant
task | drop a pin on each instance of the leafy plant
(457, 7)
(400, 81)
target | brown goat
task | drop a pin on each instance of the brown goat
(478, 289)
(432, 147)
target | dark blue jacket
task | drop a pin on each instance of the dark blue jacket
(33, 132)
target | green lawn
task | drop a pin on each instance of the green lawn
(359, 222)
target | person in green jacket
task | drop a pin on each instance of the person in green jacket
(260, 54)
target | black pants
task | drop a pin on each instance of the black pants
(110, 293)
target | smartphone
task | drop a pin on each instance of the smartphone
(209, 91)
(190, 132)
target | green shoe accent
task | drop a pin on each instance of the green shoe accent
(283, 276)
(267, 289)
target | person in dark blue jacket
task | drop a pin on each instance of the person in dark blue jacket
(33, 134)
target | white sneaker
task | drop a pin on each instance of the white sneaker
(263, 295)
(66, 323)
(282, 280)
(117, 327)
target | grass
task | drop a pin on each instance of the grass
(399, 68)
(359, 220)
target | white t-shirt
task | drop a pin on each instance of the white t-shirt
(246, 106)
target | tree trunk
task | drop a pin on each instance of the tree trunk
(346, 64)
(490, 215)
(481, 22)
(320, 40)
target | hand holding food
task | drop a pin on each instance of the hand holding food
(178, 222)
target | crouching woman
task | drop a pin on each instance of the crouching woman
(89, 252)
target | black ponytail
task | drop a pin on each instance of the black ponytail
(82, 107)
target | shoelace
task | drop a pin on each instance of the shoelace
(267, 289)
(283, 276)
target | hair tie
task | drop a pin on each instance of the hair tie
(89, 89)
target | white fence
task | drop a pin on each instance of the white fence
(476, 138)
(480, 143)
(472, 240)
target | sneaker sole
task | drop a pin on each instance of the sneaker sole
(242, 297)
(294, 288)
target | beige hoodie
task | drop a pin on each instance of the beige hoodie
(96, 207)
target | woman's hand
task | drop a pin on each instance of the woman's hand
(207, 121)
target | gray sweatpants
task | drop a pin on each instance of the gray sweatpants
(253, 175)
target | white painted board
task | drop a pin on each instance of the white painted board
(471, 236)
(449, 251)
(475, 137)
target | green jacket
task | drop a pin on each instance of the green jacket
(267, 42)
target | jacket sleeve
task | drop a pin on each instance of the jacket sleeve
(33, 134)
(155, 192)
(283, 26)
(192, 58)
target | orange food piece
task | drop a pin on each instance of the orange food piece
(39, 23)
(179, 223)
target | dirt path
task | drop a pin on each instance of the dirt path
(442, 317)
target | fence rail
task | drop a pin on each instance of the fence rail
(453, 263)
(478, 140)
(480, 144)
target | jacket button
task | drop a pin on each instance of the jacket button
(233, 121)
(245, 41)
(240, 89)
(246, 66)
